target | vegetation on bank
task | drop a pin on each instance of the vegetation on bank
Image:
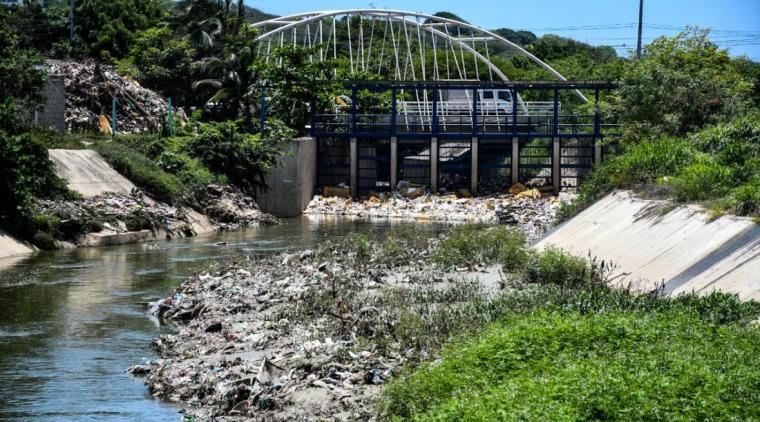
(558, 343)
(691, 129)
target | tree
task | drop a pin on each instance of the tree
(108, 27)
(162, 62)
(21, 76)
(681, 84)
(301, 83)
(230, 74)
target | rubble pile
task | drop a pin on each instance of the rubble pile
(90, 88)
(532, 214)
(231, 209)
(283, 338)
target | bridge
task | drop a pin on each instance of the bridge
(436, 108)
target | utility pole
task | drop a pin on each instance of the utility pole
(641, 22)
(72, 5)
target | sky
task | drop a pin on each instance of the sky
(735, 23)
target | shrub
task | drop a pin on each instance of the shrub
(26, 173)
(469, 245)
(555, 266)
(143, 172)
(245, 159)
(704, 179)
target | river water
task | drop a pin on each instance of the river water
(72, 321)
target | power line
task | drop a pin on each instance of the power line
(641, 21)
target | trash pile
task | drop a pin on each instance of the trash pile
(90, 88)
(116, 213)
(231, 209)
(113, 213)
(527, 209)
(285, 337)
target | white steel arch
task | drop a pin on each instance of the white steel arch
(360, 56)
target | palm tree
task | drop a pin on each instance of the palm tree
(230, 74)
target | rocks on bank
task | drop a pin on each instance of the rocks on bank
(117, 218)
(114, 211)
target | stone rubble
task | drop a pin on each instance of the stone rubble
(91, 86)
(533, 215)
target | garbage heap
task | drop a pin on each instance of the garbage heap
(527, 209)
(296, 336)
(115, 213)
(231, 209)
(91, 87)
(112, 213)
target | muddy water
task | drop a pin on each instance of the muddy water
(72, 321)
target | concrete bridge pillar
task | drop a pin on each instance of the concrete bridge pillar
(434, 164)
(556, 168)
(474, 165)
(354, 172)
(515, 159)
(597, 152)
(394, 162)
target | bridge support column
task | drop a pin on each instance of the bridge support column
(556, 168)
(434, 165)
(354, 172)
(474, 165)
(515, 160)
(597, 152)
(394, 163)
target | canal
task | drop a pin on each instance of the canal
(72, 321)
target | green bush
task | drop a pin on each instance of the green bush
(245, 159)
(555, 266)
(470, 245)
(704, 179)
(566, 365)
(26, 173)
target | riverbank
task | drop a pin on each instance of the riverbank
(320, 332)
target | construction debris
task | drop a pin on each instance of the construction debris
(90, 89)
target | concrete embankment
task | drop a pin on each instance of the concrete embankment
(655, 244)
(11, 247)
(87, 173)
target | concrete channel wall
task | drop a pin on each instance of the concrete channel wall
(654, 244)
(291, 187)
(12, 247)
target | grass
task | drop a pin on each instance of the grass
(556, 364)
(718, 166)
(561, 344)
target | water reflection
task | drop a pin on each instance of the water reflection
(72, 321)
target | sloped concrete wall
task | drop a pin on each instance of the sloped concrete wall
(88, 173)
(655, 243)
(11, 247)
